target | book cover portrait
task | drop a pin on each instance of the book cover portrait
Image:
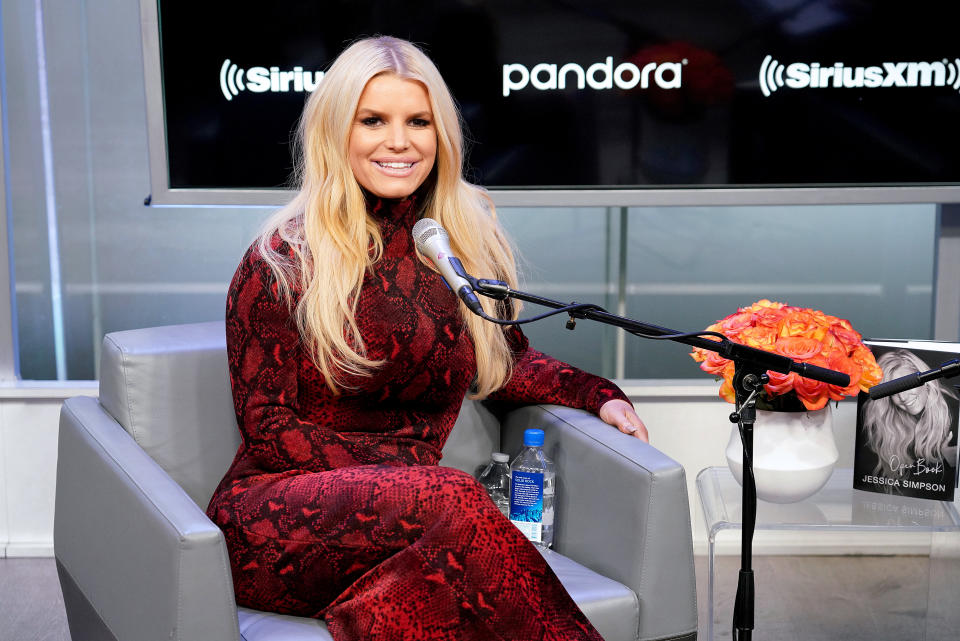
(907, 442)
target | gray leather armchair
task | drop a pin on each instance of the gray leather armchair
(138, 558)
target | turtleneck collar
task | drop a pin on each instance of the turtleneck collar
(403, 212)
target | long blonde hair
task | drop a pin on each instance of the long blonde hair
(334, 241)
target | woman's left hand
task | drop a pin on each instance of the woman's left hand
(622, 416)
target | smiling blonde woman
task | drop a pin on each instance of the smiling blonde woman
(349, 361)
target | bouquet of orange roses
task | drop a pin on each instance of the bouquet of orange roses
(804, 335)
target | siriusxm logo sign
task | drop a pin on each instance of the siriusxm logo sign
(601, 75)
(813, 75)
(234, 79)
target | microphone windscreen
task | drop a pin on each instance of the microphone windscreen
(896, 386)
(829, 376)
(424, 230)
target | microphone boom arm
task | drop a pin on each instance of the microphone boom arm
(728, 349)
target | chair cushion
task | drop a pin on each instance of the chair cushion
(612, 608)
(269, 626)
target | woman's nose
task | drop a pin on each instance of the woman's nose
(397, 137)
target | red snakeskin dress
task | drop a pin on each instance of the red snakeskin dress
(335, 507)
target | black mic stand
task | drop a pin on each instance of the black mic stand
(750, 375)
(748, 381)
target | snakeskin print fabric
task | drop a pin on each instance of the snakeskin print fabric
(334, 506)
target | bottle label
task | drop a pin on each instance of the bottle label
(526, 503)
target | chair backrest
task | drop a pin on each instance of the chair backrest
(169, 388)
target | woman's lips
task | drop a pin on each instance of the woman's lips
(396, 168)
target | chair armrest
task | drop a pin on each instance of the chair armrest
(622, 511)
(143, 556)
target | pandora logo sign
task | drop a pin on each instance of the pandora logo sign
(598, 76)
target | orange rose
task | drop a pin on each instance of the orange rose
(843, 364)
(765, 304)
(824, 320)
(798, 348)
(813, 394)
(870, 372)
(768, 316)
(845, 324)
(848, 337)
(699, 354)
(759, 337)
(802, 323)
(830, 345)
(735, 323)
(714, 363)
(727, 393)
(779, 383)
(729, 370)
(813, 403)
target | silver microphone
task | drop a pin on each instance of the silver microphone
(433, 242)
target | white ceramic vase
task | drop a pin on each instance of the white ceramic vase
(793, 453)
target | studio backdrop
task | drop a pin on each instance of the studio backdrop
(656, 99)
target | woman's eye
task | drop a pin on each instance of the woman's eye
(420, 122)
(370, 121)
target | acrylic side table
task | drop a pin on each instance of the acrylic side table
(838, 508)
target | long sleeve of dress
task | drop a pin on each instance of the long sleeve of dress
(264, 350)
(538, 378)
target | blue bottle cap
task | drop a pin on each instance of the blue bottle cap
(533, 438)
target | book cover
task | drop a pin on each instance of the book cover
(907, 442)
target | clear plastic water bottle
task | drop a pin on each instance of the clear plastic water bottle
(495, 478)
(532, 490)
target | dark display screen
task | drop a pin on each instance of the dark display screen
(616, 94)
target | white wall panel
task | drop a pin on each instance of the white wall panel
(29, 419)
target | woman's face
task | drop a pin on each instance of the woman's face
(393, 140)
(913, 400)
